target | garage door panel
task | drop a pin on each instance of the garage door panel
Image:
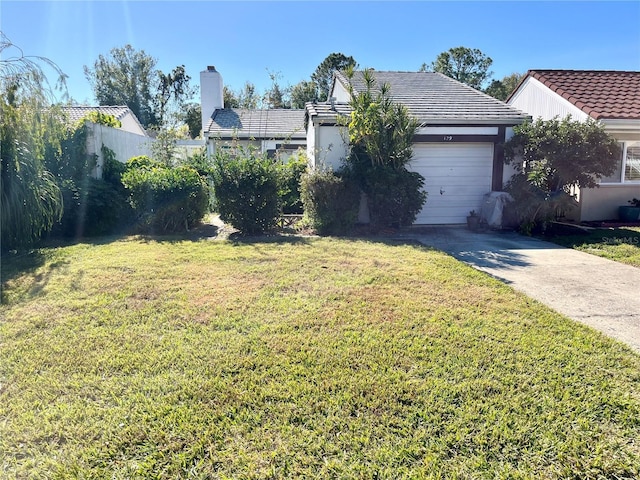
(462, 172)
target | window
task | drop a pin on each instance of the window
(628, 168)
(632, 162)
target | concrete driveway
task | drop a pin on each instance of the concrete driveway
(597, 292)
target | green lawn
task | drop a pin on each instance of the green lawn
(314, 358)
(619, 244)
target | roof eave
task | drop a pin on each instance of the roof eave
(621, 124)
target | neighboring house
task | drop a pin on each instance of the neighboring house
(130, 140)
(269, 130)
(124, 114)
(610, 97)
(457, 148)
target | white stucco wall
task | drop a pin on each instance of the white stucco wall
(130, 124)
(124, 144)
(328, 148)
(340, 93)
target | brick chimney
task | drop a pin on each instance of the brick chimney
(211, 93)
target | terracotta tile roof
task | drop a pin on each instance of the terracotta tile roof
(258, 124)
(599, 93)
(435, 98)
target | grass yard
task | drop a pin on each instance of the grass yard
(315, 358)
(620, 244)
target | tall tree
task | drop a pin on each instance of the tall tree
(501, 89)
(466, 65)
(126, 77)
(192, 117)
(30, 200)
(303, 92)
(276, 96)
(230, 98)
(323, 75)
(247, 97)
(173, 94)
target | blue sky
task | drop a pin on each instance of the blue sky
(247, 40)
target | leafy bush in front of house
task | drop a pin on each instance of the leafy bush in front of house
(395, 195)
(331, 202)
(246, 191)
(289, 175)
(381, 135)
(553, 158)
(165, 199)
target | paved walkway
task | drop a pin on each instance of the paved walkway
(600, 293)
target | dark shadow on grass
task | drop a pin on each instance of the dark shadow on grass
(14, 265)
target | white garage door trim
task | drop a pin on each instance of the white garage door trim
(457, 176)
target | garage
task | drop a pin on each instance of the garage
(457, 176)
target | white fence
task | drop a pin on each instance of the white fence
(126, 145)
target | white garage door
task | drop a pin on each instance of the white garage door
(457, 176)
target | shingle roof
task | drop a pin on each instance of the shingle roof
(258, 124)
(599, 93)
(77, 112)
(435, 98)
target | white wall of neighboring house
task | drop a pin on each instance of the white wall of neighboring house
(124, 144)
(326, 146)
(599, 203)
(340, 93)
(130, 124)
(536, 99)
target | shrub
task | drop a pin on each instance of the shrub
(394, 195)
(381, 135)
(94, 208)
(246, 191)
(166, 199)
(331, 202)
(290, 174)
(552, 159)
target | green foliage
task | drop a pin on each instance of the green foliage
(331, 202)
(166, 199)
(101, 119)
(501, 89)
(304, 92)
(552, 158)
(323, 75)
(246, 191)
(172, 94)
(126, 77)
(276, 96)
(466, 65)
(289, 176)
(395, 195)
(192, 117)
(165, 148)
(230, 99)
(31, 201)
(381, 136)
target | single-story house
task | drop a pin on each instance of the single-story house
(610, 97)
(457, 148)
(128, 141)
(269, 130)
(127, 118)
